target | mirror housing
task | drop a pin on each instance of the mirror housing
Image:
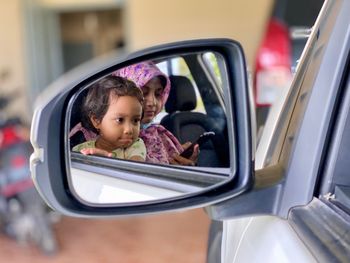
(49, 162)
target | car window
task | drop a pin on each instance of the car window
(213, 66)
(336, 179)
(177, 66)
(329, 211)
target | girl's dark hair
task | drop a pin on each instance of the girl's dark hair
(96, 102)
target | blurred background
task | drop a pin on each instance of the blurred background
(43, 39)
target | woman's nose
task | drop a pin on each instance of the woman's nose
(150, 100)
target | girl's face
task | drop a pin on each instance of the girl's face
(152, 93)
(120, 126)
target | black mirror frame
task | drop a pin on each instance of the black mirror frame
(48, 162)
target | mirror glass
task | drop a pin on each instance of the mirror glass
(150, 131)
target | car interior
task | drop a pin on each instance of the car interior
(181, 116)
(187, 125)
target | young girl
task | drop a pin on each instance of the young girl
(162, 146)
(112, 109)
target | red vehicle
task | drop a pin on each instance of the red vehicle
(14, 156)
(280, 51)
(23, 214)
(273, 64)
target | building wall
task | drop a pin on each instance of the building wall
(150, 22)
(157, 21)
(12, 57)
(78, 4)
(146, 23)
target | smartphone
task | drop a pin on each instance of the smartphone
(200, 140)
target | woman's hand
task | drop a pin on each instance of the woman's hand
(179, 160)
(96, 151)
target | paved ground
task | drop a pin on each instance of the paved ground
(172, 237)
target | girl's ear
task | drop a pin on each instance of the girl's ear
(95, 122)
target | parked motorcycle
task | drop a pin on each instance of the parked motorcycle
(23, 214)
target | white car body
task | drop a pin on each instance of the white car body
(263, 238)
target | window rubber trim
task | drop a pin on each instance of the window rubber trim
(324, 228)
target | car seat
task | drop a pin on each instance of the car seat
(76, 136)
(187, 125)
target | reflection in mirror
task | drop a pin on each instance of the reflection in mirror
(169, 112)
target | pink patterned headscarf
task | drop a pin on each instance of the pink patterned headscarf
(143, 72)
(161, 144)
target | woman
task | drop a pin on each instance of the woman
(162, 146)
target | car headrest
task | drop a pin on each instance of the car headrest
(76, 115)
(182, 95)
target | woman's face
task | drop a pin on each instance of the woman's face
(152, 93)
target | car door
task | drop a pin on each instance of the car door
(307, 234)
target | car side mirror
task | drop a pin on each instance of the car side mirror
(110, 137)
